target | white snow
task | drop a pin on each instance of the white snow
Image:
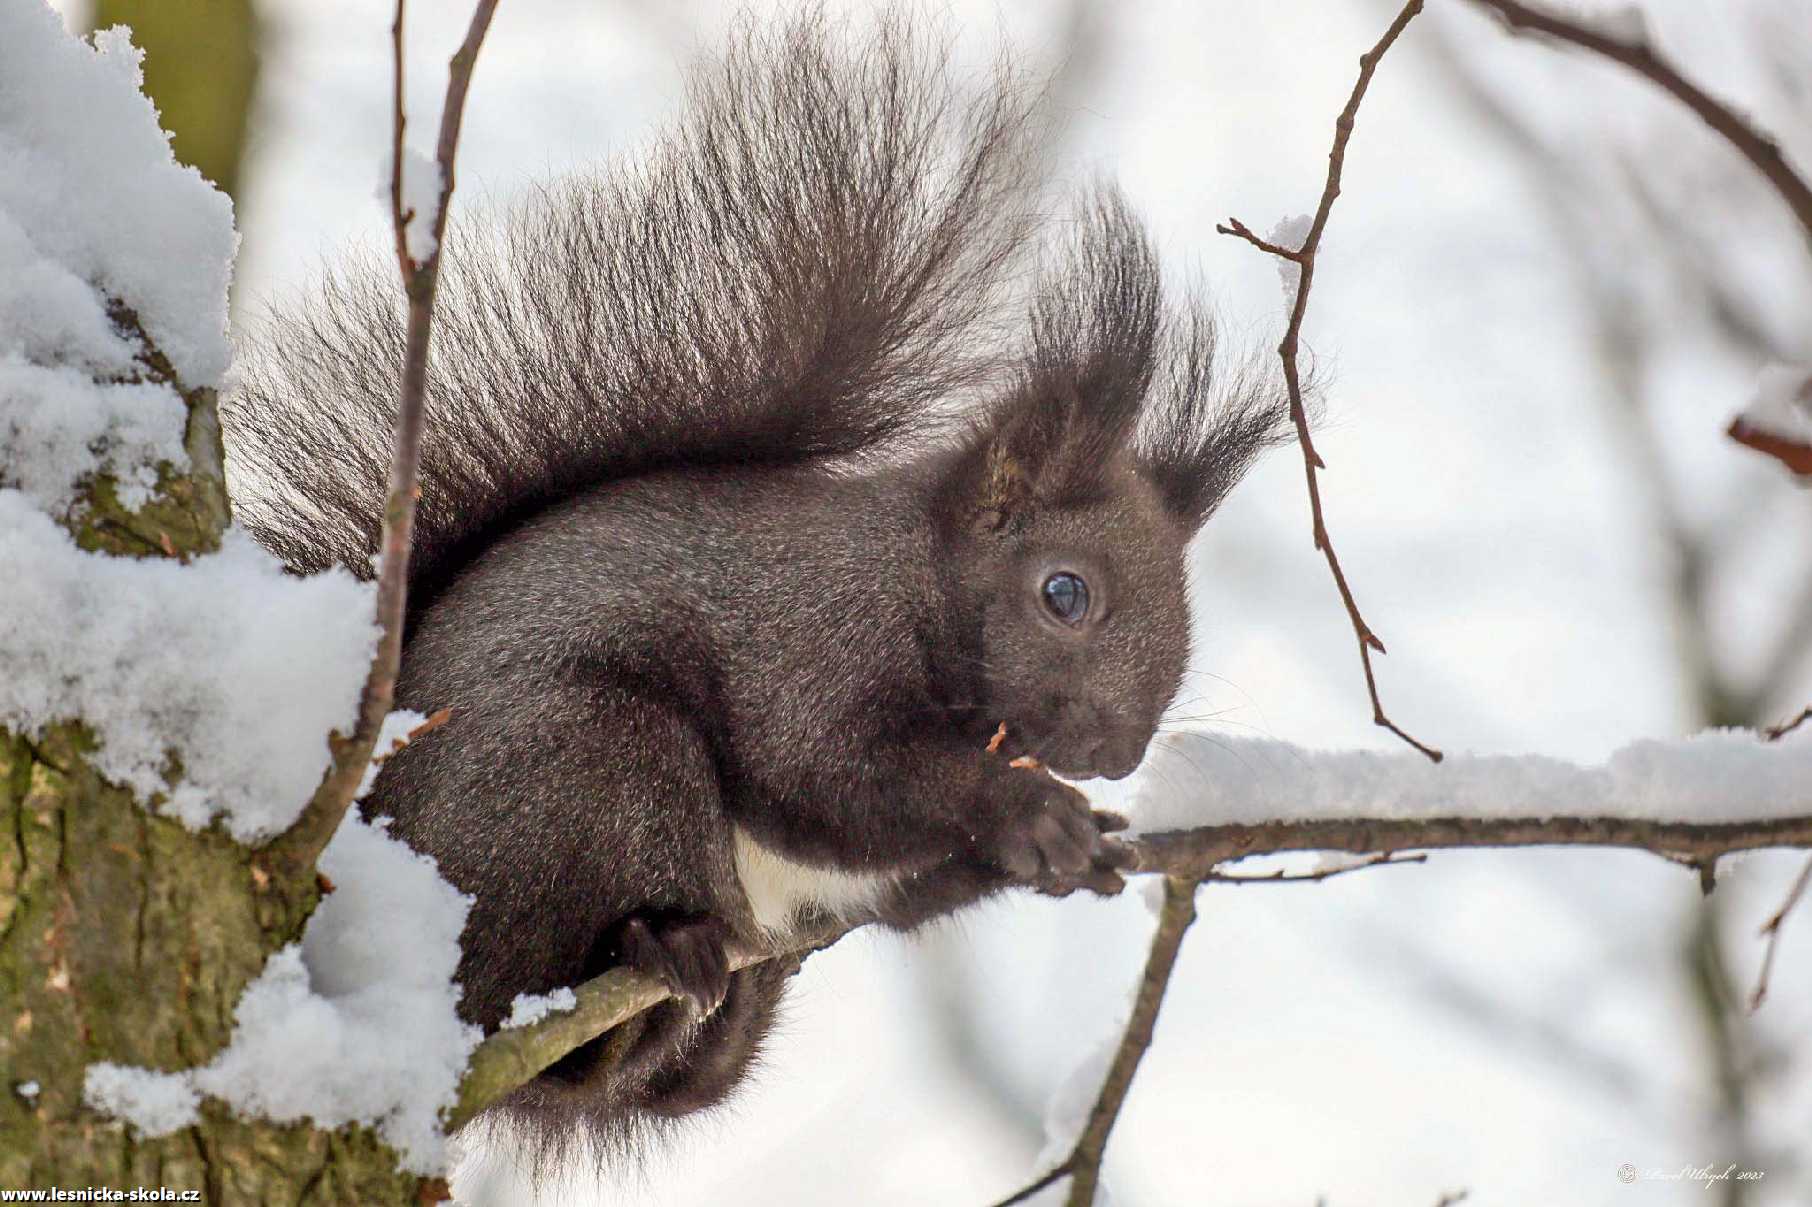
(1290, 233)
(28, 1090)
(233, 666)
(421, 200)
(1782, 405)
(392, 736)
(92, 194)
(1151, 892)
(92, 206)
(1066, 1111)
(355, 1024)
(530, 1008)
(155, 1103)
(1625, 23)
(1718, 775)
(60, 425)
(211, 686)
(1332, 863)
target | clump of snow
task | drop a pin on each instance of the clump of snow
(1625, 23)
(1151, 892)
(1332, 863)
(91, 194)
(77, 139)
(1066, 1112)
(211, 686)
(356, 1024)
(155, 1103)
(233, 666)
(1718, 775)
(60, 425)
(28, 1090)
(529, 1008)
(421, 186)
(392, 736)
(1290, 233)
(1782, 406)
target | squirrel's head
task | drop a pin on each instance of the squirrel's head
(1078, 621)
(1068, 508)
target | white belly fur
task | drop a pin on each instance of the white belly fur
(778, 888)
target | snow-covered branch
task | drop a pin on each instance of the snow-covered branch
(1211, 800)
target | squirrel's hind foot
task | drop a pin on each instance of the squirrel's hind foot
(687, 954)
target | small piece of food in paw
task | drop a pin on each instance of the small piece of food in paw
(1026, 762)
(1000, 735)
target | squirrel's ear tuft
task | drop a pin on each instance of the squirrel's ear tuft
(1076, 398)
(1207, 419)
(1111, 374)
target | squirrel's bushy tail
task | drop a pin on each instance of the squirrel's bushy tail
(808, 265)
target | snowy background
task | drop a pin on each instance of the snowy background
(1542, 294)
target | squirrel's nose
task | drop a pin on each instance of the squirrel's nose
(1115, 756)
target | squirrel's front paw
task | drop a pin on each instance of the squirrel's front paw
(685, 954)
(1058, 844)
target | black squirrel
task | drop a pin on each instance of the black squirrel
(762, 485)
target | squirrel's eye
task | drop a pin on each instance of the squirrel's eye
(1066, 595)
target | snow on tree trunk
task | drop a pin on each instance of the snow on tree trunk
(129, 926)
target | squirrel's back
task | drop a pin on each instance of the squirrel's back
(809, 264)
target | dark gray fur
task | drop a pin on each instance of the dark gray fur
(738, 496)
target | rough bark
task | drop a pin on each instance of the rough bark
(125, 937)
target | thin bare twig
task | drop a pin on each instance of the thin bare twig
(1771, 930)
(1234, 226)
(1304, 259)
(1758, 147)
(1775, 733)
(1083, 1165)
(1317, 876)
(1796, 455)
(291, 856)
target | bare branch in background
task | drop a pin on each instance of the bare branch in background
(1796, 455)
(1304, 259)
(1698, 266)
(1316, 876)
(1775, 733)
(292, 855)
(1083, 1165)
(1704, 268)
(1771, 931)
(1759, 148)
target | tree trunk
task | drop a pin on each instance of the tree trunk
(125, 937)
